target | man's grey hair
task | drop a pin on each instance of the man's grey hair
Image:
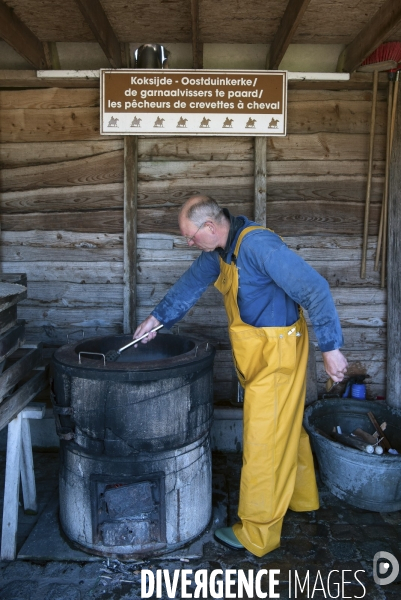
(206, 209)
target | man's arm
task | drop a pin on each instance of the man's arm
(182, 295)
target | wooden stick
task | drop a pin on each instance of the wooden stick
(382, 228)
(353, 442)
(369, 181)
(385, 205)
(384, 442)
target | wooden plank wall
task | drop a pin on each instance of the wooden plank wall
(62, 214)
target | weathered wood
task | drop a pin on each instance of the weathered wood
(12, 405)
(60, 199)
(8, 318)
(394, 270)
(260, 182)
(104, 34)
(10, 341)
(130, 231)
(19, 278)
(76, 318)
(101, 169)
(11, 490)
(197, 46)
(21, 38)
(325, 146)
(15, 372)
(101, 272)
(58, 336)
(41, 153)
(376, 31)
(49, 126)
(24, 78)
(48, 99)
(27, 472)
(10, 294)
(292, 17)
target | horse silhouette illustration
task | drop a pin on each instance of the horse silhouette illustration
(136, 122)
(228, 122)
(113, 122)
(273, 124)
(205, 122)
(250, 123)
(182, 122)
(159, 122)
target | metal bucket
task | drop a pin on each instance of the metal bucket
(364, 480)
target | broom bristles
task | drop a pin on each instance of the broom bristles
(386, 52)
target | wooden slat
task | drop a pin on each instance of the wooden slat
(104, 34)
(130, 230)
(260, 181)
(10, 341)
(8, 318)
(394, 269)
(15, 372)
(10, 294)
(102, 169)
(21, 38)
(49, 126)
(101, 272)
(376, 31)
(42, 153)
(197, 46)
(12, 405)
(24, 78)
(48, 99)
(19, 278)
(292, 17)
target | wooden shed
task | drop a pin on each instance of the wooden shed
(92, 220)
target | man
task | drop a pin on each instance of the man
(264, 284)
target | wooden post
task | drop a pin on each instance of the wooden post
(394, 269)
(130, 230)
(11, 489)
(260, 180)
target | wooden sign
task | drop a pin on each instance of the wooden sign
(193, 102)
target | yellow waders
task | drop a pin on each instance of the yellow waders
(277, 470)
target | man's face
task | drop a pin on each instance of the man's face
(201, 237)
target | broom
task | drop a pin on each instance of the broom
(391, 111)
(385, 57)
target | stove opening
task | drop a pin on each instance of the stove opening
(129, 511)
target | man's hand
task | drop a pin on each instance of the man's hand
(335, 364)
(147, 325)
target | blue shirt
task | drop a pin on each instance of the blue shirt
(273, 281)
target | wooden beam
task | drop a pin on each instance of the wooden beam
(288, 25)
(385, 20)
(393, 270)
(19, 37)
(197, 46)
(52, 56)
(130, 230)
(260, 180)
(97, 20)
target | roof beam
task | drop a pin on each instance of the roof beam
(371, 36)
(288, 25)
(97, 20)
(21, 38)
(197, 47)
